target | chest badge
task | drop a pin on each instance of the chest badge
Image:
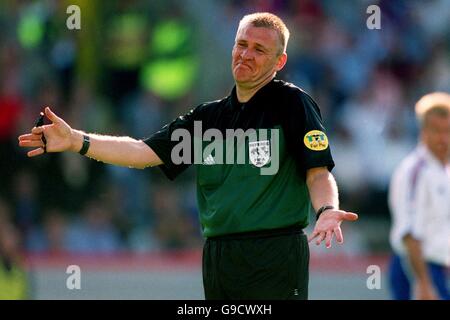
(316, 140)
(259, 153)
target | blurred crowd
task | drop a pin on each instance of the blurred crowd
(135, 65)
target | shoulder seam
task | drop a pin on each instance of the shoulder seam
(414, 175)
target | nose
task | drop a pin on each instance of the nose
(246, 54)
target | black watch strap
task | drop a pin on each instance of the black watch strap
(322, 209)
(86, 144)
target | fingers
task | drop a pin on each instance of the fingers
(35, 152)
(32, 140)
(320, 238)
(51, 115)
(313, 235)
(350, 216)
(37, 130)
(338, 235)
(31, 143)
(30, 136)
(328, 238)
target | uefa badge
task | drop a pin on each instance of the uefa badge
(316, 140)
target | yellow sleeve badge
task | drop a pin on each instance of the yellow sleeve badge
(316, 140)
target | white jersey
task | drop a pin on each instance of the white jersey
(419, 201)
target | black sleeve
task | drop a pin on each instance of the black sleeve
(162, 144)
(305, 134)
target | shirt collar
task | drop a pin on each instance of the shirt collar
(429, 156)
(257, 98)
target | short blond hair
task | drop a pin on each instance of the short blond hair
(437, 103)
(270, 21)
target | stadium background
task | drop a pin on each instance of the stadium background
(134, 66)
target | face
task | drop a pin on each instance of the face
(255, 56)
(436, 136)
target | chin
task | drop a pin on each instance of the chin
(240, 78)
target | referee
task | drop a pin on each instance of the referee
(255, 247)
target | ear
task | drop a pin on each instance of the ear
(282, 59)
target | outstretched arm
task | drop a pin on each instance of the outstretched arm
(323, 191)
(60, 137)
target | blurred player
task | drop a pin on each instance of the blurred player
(419, 199)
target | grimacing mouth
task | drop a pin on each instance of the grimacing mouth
(237, 63)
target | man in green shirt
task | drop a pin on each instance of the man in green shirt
(253, 205)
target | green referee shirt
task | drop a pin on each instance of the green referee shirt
(236, 196)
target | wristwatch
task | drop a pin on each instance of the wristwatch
(86, 144)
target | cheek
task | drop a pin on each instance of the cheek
(428, 138)
(235, 54)
(434, 139)
(266, 64)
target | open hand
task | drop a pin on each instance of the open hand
(329, 224)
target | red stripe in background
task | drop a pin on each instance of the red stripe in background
(188, 260)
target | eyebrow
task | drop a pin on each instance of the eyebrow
(258, 45)
(261, 46)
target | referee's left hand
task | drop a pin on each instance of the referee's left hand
(329, 223)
